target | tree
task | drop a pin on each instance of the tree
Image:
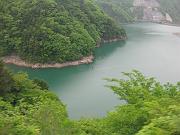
(41, 83)
(6, 81)
(151, 108)
(51, 31)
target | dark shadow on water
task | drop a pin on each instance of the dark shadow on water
(107, 49)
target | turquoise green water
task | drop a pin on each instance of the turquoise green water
(150, 48)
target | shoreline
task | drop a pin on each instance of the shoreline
(163, 23)
(115, 39)
(16, 60)
(171, 24)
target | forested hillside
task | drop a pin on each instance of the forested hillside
(28, 108)
(161, 11)
(48, 31)
(120, 10)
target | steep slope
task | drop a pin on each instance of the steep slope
(49, 31)
(160, 11)
(172, 8)
(150, 10)
(120, 10)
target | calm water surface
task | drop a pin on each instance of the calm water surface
(150, 48)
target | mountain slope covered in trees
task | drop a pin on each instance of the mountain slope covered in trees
(28, 108)
(161, 11)
(120, 10)
(48, 31)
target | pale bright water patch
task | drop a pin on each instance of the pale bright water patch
(150, 48)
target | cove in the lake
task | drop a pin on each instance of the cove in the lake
(153, 49)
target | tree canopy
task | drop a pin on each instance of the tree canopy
(150, 109)
(47, 31)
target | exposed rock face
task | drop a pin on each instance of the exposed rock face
(152, 14)
(168, 18)
(149, 10)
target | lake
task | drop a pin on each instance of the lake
(152, 49)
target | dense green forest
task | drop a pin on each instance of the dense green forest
(28, 108)
(48, 31)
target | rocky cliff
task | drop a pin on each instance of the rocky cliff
(150, 10)
(159, 11)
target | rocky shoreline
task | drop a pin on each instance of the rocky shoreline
(19, 62)
(16, 60)
(114, 39)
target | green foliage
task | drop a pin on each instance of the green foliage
(49, 31)
(90, 127)
(6, 81)
(150, 109)
(126, 120)
(119, 10)
(13, 122)
(42, 84)
(28, 109)
(168, 125)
